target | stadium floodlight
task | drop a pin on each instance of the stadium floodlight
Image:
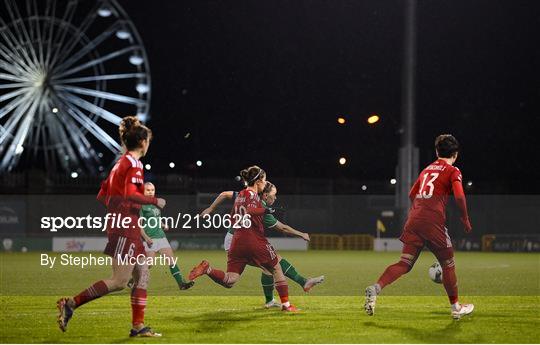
(364, 187)
(373, 119)
(341, 120)
(393, 181)
(148, 166)
(199, 163)
(172, 165)
(74, 174)
(469, 184)
(342, 161)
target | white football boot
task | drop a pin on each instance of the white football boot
(272, 304)
(311, 282)
(371, 298)
(464, 309)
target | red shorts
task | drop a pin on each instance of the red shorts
(420, 233)
(250, 249)
(121, 245)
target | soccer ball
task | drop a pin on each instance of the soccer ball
(435, 273)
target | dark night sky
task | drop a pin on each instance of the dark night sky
(265, 81)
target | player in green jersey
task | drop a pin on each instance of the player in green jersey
(155, 239)
(268, 198)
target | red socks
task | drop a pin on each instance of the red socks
(450, 282)
(392, 273)
(283, 290)
(138, 303)
(95, 291)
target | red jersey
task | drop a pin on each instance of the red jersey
(429, 194)
(123, 193)
(249, 203)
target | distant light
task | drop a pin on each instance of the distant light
(393, 181)
(199, 163)
(187, 135)
(341, 120)
(100, 168)
(123, 34)
(104, 12)
(142, 88)
(136, 60)
(74, 174)
(342, 161)
(171, 165)
(148, 167)
(19, 149)
(469, 184)
(100, 155)
(55, 110)
(143, 117)
(373, 119)
(364, 187)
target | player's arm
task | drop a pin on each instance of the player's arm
(461, 201)
(414, 190)
(146, 238)
(290, 230)
(103, 191)
(131, 192)
(220, 199)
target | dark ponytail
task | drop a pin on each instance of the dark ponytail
(252, 174)
(132, 132)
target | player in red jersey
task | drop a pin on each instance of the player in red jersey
(425, 225)
(249, 245)
(123, 194)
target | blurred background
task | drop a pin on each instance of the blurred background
(340, 102)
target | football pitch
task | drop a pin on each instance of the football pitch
(504, 287)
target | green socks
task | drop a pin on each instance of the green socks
(267, 283)
(175, 271)
(290, 272)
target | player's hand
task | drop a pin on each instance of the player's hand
(149, 242)
(161, 202)
(269, 210)
(305, 236)
(467, 225)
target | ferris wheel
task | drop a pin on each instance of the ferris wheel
(69, 71)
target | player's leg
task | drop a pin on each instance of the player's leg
(235, 267)
(267, 283)
(149, 254)
(175, 270)
(290, 272)
(445, 256)
(141, 277)
(281, 285)
(406, 262)
(118, 281)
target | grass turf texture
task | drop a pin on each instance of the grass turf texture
(504, 287)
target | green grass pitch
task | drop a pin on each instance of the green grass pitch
(504, 287)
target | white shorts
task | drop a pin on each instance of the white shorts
(157, 244)
(227, 241)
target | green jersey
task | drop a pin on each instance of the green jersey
(152, 222)
(269, 221)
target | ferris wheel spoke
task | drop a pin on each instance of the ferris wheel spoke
(92, 127)
(14, 70)
(87, 48)
(66, 48)
(15, 61)
(12, 105)
(18, 112)
(50, 12)
(101, 77)
(13, 85)
(14, 93)
(97, 61)
(60, 36)
(33, 11)
(101, 94)
(84, 104)
(15, 149)
(11, 77)
(22, 60)
(26, 37)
